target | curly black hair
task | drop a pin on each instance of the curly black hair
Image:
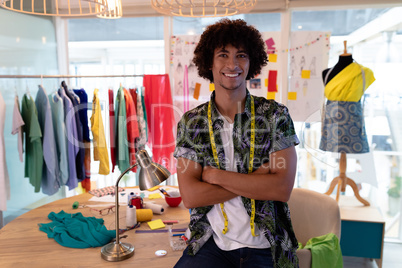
(236, 33)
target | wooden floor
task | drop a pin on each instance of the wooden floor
(392, 258)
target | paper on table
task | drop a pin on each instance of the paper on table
(111, 198)
(156, 224)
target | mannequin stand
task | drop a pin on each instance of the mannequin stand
(341, 181)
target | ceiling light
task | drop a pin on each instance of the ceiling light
(59, 8)
(113, 10)
(202, 8)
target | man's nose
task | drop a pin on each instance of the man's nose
(232, 62)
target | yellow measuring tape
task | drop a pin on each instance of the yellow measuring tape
(250, 168)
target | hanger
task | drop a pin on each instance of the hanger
(345, 49)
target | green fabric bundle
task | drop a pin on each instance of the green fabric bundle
(325, 251)
(77, 231)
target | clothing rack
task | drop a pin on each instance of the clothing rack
(62, 76)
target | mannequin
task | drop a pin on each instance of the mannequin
(344, 60)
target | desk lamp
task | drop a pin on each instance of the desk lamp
(151, 174)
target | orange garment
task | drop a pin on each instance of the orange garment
(132, 126)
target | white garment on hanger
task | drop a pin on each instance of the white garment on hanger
(4, 178)
(18, 122)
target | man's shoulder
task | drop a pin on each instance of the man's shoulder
(263, 105)
(201, 109)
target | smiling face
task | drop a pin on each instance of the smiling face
(230, 68)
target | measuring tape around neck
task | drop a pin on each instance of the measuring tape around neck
(250, 168)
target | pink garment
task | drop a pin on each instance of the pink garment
(160, 117)
(112, 129)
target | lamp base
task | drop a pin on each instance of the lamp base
(117, 252)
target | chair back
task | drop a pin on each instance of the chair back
(313, 214)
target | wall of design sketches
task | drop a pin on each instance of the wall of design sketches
(307, 58)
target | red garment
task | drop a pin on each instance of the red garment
(160, 117)
(132, 126)
(112, 129)
(133, 92)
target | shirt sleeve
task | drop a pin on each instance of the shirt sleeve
(184, 143)
(283, 131)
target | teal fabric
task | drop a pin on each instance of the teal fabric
(325, 251)
(77, 231)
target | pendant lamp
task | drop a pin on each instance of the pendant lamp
(113, 10)
(58, 8)
(202, 8)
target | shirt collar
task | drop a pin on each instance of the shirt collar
(215, 114)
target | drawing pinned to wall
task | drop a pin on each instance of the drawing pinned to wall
(255, 83)
(270, 45)
(182, 48)
(308, 56)
(312, 67)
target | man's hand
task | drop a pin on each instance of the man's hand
(210, 174)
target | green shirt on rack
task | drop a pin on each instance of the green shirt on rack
(122, 156)
(33, 142)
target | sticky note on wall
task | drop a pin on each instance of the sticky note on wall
(272, 57)
(197, 89)
(272, 75)
(271, 95)
(305, 74)
(292, 95)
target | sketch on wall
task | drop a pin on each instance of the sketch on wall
(308, 57)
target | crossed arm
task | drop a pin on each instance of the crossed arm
(208, 186)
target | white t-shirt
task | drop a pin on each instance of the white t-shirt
(239, 230)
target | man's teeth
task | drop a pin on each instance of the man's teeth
(232, 75)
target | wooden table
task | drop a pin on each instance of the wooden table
(22, 244)
(362, 231)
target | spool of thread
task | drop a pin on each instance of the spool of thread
(156, 209)
(131, 216)
(144, 214)
(129, 197)
(137, 202)
(75, 205)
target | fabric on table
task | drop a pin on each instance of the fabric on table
(325, 251)
(77, 231)
(109, 190)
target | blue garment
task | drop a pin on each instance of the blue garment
(50, 175)
(343, 128)
(72, 140)
(79, 159)
(83, 112)
(211, 256)
(56, 104)
(77, 231)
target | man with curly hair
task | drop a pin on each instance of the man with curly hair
(236, 159)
